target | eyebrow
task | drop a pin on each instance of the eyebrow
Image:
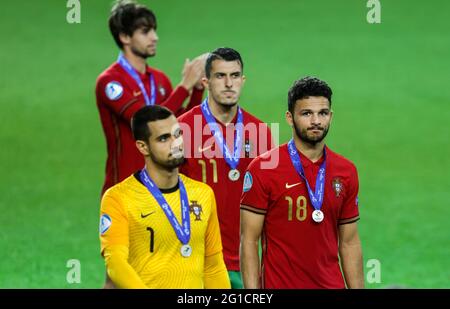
(310, 110)
(232, 73)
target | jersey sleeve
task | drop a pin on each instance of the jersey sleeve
(195, 99)
(115, 95)
(174, 97)
(255, 194)
(113, 222)
(349, 211)
(213, 242)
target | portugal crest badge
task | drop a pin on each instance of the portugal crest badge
(162, 91)
(196, 209)
(337, 186)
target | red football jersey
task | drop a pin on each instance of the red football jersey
(118, 98)
(298, 252)
(205, 162)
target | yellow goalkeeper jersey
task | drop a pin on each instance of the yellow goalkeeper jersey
(130, 216)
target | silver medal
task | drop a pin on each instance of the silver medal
(317, 216)
(186, 250)
(234, 174)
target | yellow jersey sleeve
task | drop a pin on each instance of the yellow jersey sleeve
(119, 270)
(113, 221)
(213, 242)
(216, 275)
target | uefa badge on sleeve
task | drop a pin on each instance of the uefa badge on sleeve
(105, 223)
(248, 182)
(114, 90)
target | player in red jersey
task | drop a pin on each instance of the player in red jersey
(221, 167)
(305, 210)
(129, 84)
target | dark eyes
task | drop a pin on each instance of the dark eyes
(321, 113)
(234, 75)
(176, 134)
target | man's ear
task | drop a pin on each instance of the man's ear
(124, 38)
(289, 119)
(142, 147)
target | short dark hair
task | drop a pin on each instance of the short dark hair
(222, 53)
(145, 115)
(308, 87)
(127, 16)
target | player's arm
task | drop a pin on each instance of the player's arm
(114, 240)
(215, 272)
(191, 74)
(251, 228)
(350, 254)
(114, 94)
(195, 99)
(216, 275)
(254, 205)
(119, 270)
(350, 251)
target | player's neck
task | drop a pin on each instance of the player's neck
(312, 151)
(138, 63)
(162, 177)
(225, 114)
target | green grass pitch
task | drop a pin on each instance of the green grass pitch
(391, 85)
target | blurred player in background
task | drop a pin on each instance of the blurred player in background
(305, 210)
(158, 228)
(129, 84)
(223, 140)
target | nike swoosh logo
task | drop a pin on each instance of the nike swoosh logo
(143, 216)
(288, 186)
(200, 149)
(136, 93)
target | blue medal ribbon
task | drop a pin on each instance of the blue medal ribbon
(315, 197)
(183, 231)
(231, 159)
(123, 62)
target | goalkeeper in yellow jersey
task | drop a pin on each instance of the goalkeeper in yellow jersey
(159, 228)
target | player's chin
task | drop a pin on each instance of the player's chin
(175, 162)
(316, 138)
(229, 102)
(151, 53)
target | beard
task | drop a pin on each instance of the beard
(142, 54)
(168, 164)
(312, 140)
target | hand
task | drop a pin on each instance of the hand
(193, 71)
(202, 60)
(199, 85)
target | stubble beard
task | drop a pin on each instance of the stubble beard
(303, 134)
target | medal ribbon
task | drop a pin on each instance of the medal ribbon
(231, 160)
(317, 196)
(123, 62)
(183, 231)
